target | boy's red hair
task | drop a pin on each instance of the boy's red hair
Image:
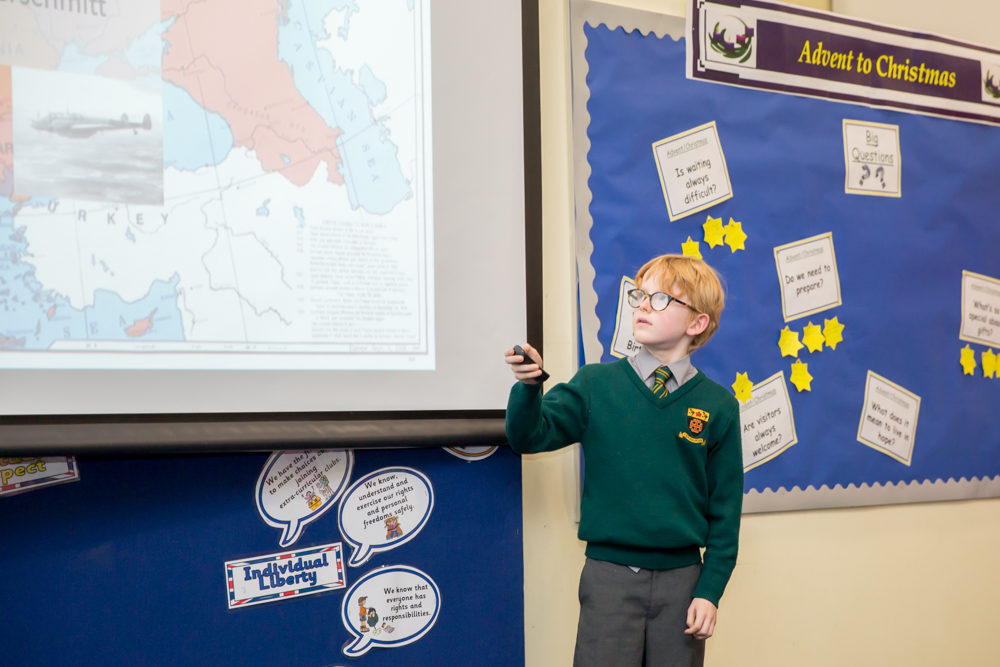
(680, 274)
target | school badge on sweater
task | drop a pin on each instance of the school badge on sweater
(696, 424)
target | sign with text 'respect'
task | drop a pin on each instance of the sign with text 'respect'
(19, 474)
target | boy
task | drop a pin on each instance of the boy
(664, 473)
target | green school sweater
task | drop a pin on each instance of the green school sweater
(664, 475)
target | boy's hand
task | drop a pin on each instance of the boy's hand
(701, 618)
(525, 369)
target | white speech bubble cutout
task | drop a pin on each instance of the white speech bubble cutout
(296, 488)
(472, 452)
(400, 605)
(383, 510)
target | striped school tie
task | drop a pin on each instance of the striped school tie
(662, 374)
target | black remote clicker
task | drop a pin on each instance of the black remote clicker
(528, 360)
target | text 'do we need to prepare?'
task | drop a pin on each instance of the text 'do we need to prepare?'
(807, 273)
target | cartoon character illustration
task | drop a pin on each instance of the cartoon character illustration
(313, 500)
(324, 487)
(392, 528)
(372, 618)
(363, 613)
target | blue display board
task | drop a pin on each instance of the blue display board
(900, 260)
(125, 567)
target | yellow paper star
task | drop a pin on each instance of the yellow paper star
(800, 376)
(742, 387)
(812, 336)
(832, 330)
(734, 235)
(989, 363)
(690, 249)
(714, 232)
(968, 360)
(789, 343)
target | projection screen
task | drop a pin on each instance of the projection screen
(250, 212)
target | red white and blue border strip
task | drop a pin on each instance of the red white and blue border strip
(330, 574)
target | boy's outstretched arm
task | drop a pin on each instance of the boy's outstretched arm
(541, 424)
(725, 505)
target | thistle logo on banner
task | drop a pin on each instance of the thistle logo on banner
(730, 38)
(991, 82)
(291, 573)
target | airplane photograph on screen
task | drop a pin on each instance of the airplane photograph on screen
(216, 184)
(75, 142)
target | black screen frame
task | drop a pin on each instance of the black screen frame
(203, 433)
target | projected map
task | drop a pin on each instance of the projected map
(215, 184)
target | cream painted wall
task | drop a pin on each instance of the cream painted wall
(972, 20)
(905, 585)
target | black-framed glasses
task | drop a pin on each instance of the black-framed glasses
(657, 301)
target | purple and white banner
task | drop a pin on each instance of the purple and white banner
(786, 49)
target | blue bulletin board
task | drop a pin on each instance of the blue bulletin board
(125, 567)
(901, 260)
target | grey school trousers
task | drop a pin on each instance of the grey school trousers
(636, 619)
